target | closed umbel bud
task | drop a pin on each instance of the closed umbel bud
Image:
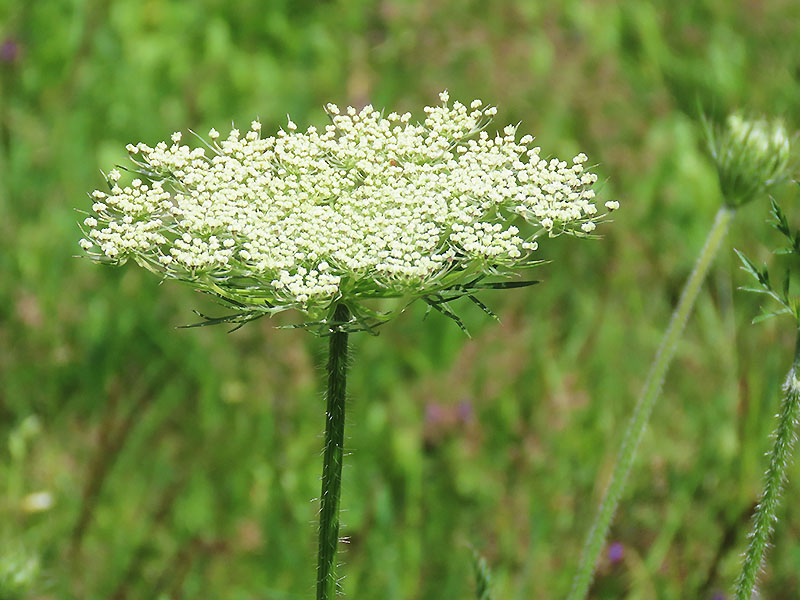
(750, 155)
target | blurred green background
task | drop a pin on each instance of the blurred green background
(183, 463)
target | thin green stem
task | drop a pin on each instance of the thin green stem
(332, 461)
(779, 460)
(596, 538)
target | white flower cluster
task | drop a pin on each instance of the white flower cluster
(371, 206)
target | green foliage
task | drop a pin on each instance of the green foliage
(785, 434)
(789, 303)
(195, 454)
(483, 577)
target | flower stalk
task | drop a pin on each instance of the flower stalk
(598, 533)
(779, 460)
(332, 461)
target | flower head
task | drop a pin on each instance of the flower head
(368, 207)
(750, 155)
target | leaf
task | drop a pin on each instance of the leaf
(238, 319)
(445, 310)
(768, 315)
(786, 283)
(781, 222)
(427, 312)
(483, 577)
(439, 299)
(505, 285)
(484, 308)
(750, 267)
(768, 292)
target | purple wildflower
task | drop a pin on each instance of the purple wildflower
(464, 411)
(434, 413)
(616, 551)
(9, 51)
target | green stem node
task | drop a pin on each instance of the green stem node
(332, 461)
(595, 541)
(779, 460)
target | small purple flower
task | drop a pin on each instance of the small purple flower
(464, 411)
(9, 50)
(616, 551)
(719, 596)
(434, 413)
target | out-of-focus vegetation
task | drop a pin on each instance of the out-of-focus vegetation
(140, 461)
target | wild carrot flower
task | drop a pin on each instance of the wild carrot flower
(371, 206)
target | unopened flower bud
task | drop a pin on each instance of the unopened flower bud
(750, 155)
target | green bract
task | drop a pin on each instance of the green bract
(370, 207)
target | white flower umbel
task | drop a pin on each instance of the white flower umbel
(371, 206)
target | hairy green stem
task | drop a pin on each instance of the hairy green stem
(596, 538)
(332, 461)
(779, 460)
